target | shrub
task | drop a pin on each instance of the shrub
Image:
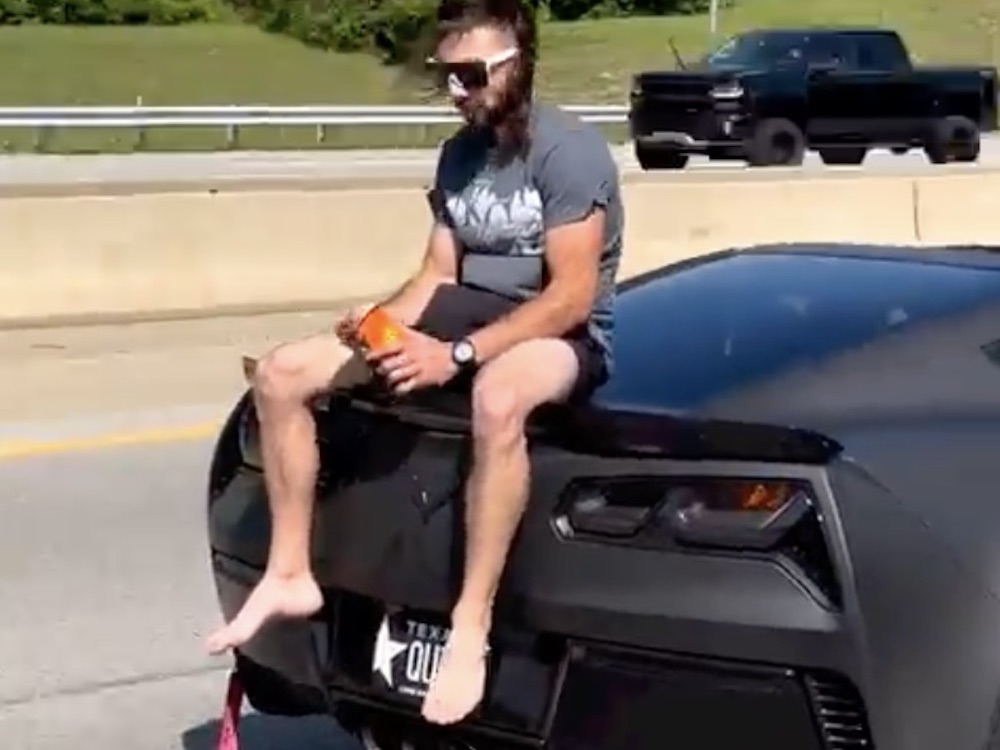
(388, 27)
(108, 12)
(397, 26)
(391, 28)
(571, 10)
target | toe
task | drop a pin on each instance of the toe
(230, 636)
(217, 643)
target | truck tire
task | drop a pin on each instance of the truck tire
(776, 142)
(952, 138)
(659, 157)
(843, 154)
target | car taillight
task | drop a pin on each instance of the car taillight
(725, 512)
(248, 435)
(733, 513)
(774, 518)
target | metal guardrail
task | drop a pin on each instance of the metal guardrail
(236, 115)
(45, 120)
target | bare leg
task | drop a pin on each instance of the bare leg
(496, 495)
(284, 382)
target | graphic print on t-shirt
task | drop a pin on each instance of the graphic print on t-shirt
(488, 222)
(498, 219)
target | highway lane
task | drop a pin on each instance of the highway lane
(30, 169)
(105, 596)
(105, 593)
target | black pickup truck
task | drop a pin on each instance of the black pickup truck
(766, 96)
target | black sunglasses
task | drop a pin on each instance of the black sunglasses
(464, 76)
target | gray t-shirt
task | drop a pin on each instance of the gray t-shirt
(499, 212)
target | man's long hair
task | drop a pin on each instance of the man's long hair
(517, 16)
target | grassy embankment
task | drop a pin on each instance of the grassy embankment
(583, 62)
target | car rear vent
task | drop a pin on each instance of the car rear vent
(839, 712)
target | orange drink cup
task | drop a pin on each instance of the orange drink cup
(377, 329)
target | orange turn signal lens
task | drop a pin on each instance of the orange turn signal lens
(761, 496)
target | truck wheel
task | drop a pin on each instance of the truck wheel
(843, 155)
(776, 142)
(660, 157)
(953, 138)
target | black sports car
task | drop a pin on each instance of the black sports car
(774, 528)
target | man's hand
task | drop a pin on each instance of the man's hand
(416, 361)
(346, 328)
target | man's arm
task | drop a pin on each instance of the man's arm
(575, 178)
(439, 266)
(440, 263)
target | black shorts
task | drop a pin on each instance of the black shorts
(455, 311)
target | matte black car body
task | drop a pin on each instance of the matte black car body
(767, 95)
(869, 377)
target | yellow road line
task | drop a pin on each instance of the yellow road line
(29, 448)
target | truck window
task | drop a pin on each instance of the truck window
(758, 49)
(825, 49)
(880, 52)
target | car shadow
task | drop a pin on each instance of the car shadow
(260, 732)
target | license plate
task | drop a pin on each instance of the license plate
(407, 654)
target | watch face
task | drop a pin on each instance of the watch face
(463, 352)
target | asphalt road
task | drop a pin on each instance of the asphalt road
(28, 169)
(105, 592)
(105, 434)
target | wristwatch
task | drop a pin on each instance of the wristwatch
(463, 353)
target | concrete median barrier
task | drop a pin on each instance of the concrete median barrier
(161, 254)
(668, 222)
(177, 253)
(962, 209)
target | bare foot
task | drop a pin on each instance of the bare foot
(274, 596)
(458, 686)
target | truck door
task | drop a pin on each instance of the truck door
(893, 96)
(831, 104)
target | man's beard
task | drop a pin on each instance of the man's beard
(508, 104)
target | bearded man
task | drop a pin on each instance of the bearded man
(515, 295)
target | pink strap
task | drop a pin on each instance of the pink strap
(229, 737)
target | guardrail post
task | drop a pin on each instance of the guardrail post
(140, 139)
(232, 136)
(43, 136)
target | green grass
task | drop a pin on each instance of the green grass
(581, 62)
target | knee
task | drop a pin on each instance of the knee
(278, 377)
(497, 412)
